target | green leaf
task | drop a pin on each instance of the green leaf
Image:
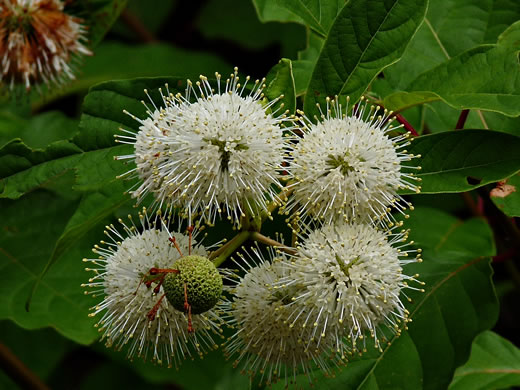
(452, 27)
(462, 160)
(316, 14)
(459, 302)
(31, 226)
(103, 107)
(366, 37)
(280, 81)
(506, 196)
(400, 101)
(23, 169)
(38, 131)
(302, 70)
(486, 77)
(93, 209)
(494, 363)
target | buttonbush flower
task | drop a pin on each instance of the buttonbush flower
(39, 42)
(131, 311)
(211, 151)
(348, 166)
(268, 341)
(353, 274)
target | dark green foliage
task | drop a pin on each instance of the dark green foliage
(426, 60)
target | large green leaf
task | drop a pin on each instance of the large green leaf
(31, 226)
(443, 62)
(316, 14)
(494, 363)
(462, 160)
(24, 169)
(459, 302)
(452, 27)
(38, 131)
(304, 65)
(93, 209)
(366, 37)
(486, 77)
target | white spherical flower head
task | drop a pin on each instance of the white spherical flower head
(269, 342)
(39, 42)
(347, 166)
(354, 278)
(134, 309)
(211, 151)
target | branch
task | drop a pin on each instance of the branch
(19, 372)
(406, 124)
(135, 24)
(476, 208)
(462, 120)
(221, 254)
(268, 241)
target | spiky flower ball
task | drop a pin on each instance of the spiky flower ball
(348, 167)
(198, 283)
(133, 310)
(270, 341)
(39, 42)
(354, 280)
(211, 151)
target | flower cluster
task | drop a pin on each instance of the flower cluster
(220, 150)
(39, 42)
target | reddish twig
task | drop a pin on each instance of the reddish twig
(476, 208)
(406, 124)
(135, 24)
(462, 120)
(19, 372)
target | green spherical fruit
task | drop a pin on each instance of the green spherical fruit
(202, 280)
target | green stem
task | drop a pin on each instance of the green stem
(257, 236)
(221, 254)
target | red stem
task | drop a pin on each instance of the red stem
(18, 371)
(406, 124)
(462, 120)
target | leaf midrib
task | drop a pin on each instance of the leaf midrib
(489, 371)
(466, 167)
